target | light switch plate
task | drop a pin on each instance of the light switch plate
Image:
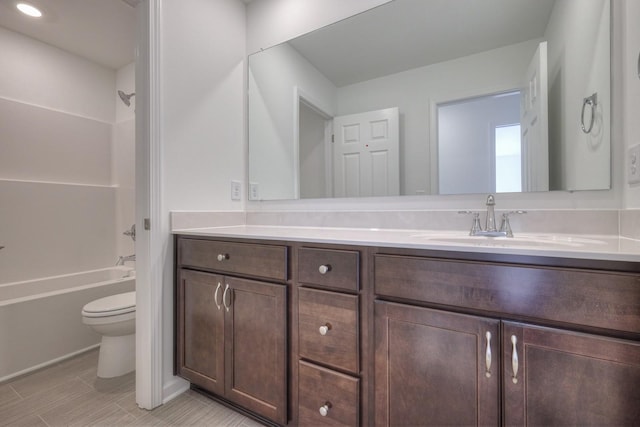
(254, 191)
(236, 190)
(633, 164)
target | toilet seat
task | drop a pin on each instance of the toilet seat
(113, 305)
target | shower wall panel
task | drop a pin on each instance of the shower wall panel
(40, 144)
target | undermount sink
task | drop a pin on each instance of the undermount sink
(522, 240)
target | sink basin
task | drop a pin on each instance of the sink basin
(519, 241)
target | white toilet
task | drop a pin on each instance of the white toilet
(114, 317)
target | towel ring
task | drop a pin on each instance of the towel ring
(592, 101)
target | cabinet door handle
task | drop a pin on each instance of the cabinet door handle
(324, 268)
(514, 359)
(488, 355)
(324, 409)
(224, 298)
(215, 296)
(222, 257)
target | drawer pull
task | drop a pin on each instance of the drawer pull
(514, 359)
(215, 296)
(324, 409)
(223, 257)
(224, 297)
(324, 268)
(324, 329)
(488, 355)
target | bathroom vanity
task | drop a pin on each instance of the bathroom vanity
(312, 326)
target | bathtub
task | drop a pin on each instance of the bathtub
(41, 320)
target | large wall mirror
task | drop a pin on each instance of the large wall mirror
(436, 97)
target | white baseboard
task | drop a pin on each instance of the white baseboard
(173, 388)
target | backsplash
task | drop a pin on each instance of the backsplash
(630, 223)
(181, 220)
(599, 222)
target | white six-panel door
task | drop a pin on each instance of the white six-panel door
(366, 154)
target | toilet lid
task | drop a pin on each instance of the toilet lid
(111, 305)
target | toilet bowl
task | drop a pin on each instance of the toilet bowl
(114, 317)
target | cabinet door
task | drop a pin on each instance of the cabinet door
(558, 377)
(434, 367)
(255, 347)
(200, 329)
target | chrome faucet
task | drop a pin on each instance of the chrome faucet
(490, 229)
(123, 259)
(490, 223)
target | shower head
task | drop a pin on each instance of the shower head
(126, 98)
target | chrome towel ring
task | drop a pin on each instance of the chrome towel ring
(592, 101)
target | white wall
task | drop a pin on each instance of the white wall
(39, 74)
(57, 203)
(631, 93)
(578, 52)
(202, 111)
(274, 77)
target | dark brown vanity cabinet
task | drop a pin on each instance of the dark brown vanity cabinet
(433, 367)
(231, 331)
(555, 377)
(328, 337)
(359, 336)
(552, 335)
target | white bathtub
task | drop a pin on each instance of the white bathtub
(41, 320)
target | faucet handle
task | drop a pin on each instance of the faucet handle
(475, 226)
(505, 226)
(131, 232)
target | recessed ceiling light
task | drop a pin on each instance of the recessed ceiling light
(29, 10)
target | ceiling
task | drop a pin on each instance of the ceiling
(103, 31)
(406, 34)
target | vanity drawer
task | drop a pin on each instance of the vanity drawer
(338, 314)
(335, 269)
(237, 258)
(600, 299)
(318, 387)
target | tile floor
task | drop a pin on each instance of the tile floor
(70, 394)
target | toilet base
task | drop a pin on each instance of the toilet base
(117, 356)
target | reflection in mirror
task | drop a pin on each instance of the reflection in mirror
(470, 157)
(424, 96)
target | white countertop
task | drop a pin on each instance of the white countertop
(598, 247)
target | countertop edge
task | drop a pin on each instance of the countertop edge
(406, 239)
